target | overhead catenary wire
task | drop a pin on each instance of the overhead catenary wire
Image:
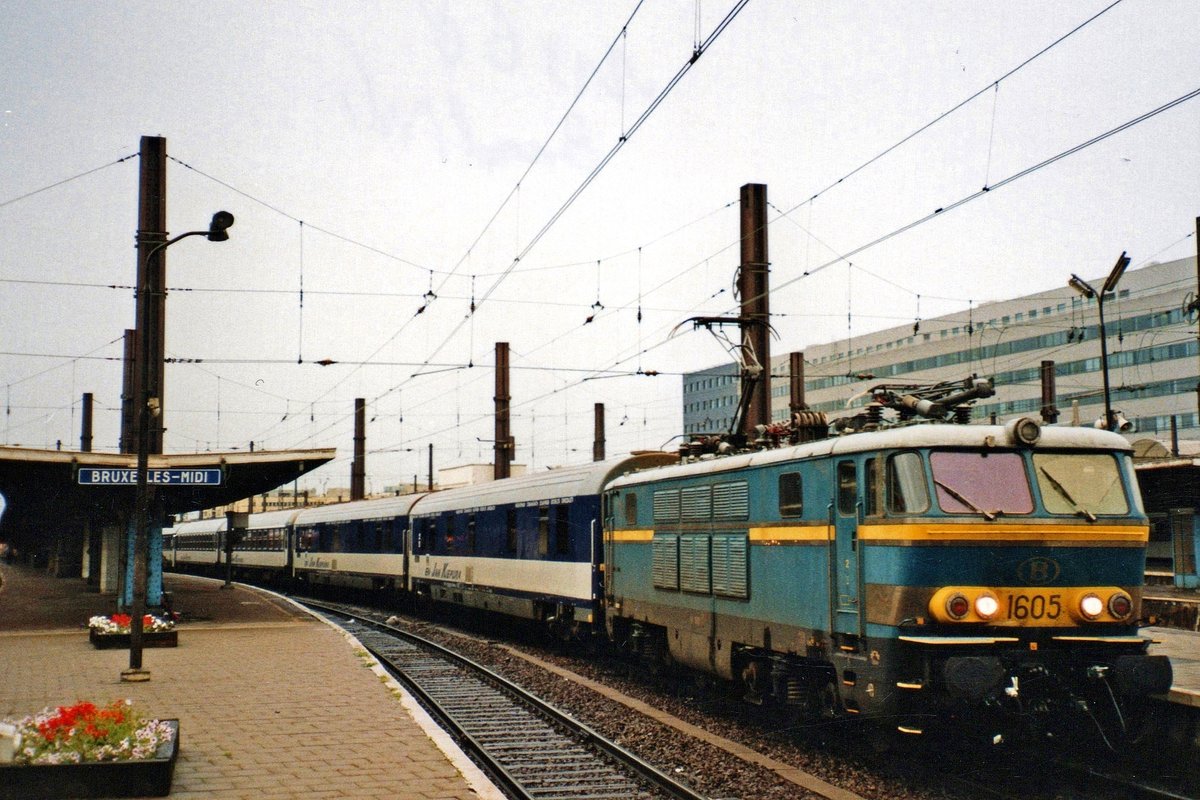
(999, 184)
(587, 181)
(524, 266)
(64, 181)
(974, 196)
(962, 103)
(993, 84)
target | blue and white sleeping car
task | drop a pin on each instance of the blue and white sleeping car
(359, 544)
(194, 545)
(264, 548)
(527, 547)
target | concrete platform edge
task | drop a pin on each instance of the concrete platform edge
(476, 779)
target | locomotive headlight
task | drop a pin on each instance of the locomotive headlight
(1091, 606)
(1023, 431)
(957, 605)
(986, 605)
(1120, 605)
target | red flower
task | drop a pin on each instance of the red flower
(82, 717)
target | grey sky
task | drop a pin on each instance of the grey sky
(395, 130)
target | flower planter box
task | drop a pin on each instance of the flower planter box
(150, 777)
(105, 641)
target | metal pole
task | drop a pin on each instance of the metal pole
(755, 295)
(358, 469)
(796, 393)
(85, 436)
(150, 403)
(1049, 393)
(152, 223)
(127, 442)
(598, 433)
(1108, 415)
(152, 215)
(135, 673)
(503, 444)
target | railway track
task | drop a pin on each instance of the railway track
(955, 772)
(530, 749)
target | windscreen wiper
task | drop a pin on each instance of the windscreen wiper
(990, 516)
(1080, 511)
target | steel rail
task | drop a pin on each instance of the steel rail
(468, 732)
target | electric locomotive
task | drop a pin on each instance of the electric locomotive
(918, 574)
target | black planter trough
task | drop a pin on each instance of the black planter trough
(107, 641)
(148, 777)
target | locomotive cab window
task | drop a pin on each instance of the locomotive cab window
(1081, 484)
(986, 484)
(631, 508)
(907, 492)
(871, 493)
(847, 487)
(791, 495)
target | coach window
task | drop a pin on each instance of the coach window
(510, 534)
(471, 533)
(562, 530)
(847, 487)
(906, 489)
(449, 533)
(791, 495)
(543, 530)
(631, 508)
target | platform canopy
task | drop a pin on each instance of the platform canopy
(45, 490)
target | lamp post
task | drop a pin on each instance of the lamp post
(218, 231)
(1085, 289)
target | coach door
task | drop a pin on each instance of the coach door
(847, 509)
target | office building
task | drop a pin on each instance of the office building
(1153, 358)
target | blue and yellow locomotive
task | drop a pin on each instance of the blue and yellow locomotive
(913, 573)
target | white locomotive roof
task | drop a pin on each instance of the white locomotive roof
(384, 507)
(553, 484)
(909, 436)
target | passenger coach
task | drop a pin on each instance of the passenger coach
(359, 544)
(525, 547)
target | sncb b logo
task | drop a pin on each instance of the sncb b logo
(1038, 571)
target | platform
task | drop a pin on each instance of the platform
(272, 702)
(1183, 648)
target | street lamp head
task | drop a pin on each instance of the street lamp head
(1118, 270)
(218, 229)
(1079, 285)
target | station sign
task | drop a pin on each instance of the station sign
(174, 476)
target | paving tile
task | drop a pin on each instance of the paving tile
(259, 688)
